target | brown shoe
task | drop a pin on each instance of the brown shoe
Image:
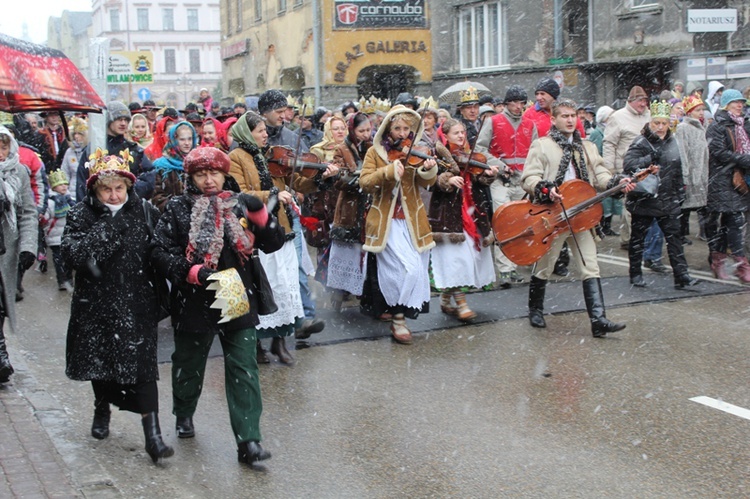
(464, 313)
(385, 317)
(278, 348)
(400, 332)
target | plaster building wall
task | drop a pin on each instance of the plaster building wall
(175, 81)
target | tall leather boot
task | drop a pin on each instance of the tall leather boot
(600, 325)
(251, 451)
(537, 287)
(100, 426)
(743, 269)
(717, 265)
(278, 348)
(155, 446)
(5, 368)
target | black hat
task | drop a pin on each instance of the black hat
(548, 85)
(405, 99)
(150, 104)
(194, 118)
(270, 100)
(135, 108)
(239, 105)
(515, 93)
(170, 112)
(485, 99)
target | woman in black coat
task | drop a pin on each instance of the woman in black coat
(200, 233)
(729, 151)
(112, 331)
(657, 146)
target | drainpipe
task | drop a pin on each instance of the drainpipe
(316, 49)
(558, 28)
(591, 30)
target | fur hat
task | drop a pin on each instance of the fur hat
(548, 85)
(117, 110)
(730, 95)
(100, 164)
(515, 93)
(206, 158)
(270, 100)
(637, 93)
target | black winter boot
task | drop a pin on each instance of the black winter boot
(600, 325)
(155, 446)
(563, 260)
(5, 368)
(606, 224)
(251, 451)
(100, 426)
(537, 288)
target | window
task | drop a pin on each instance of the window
(192, 19)
(228, 10)
(114, 19)
(298, 3)
(170, 64)
(258, 10)
(636, 4)
(481, 36)
(167, 19)
(239, 16)
(142, 19)
(195, 61)
(282, 5)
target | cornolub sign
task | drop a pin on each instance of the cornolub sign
(349, 14)
(707, 20)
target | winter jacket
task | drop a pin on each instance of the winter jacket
(242, 168)
(52, 141)
(380, 179)
(648, 149)
(310, 137)
(543, 163)
(446, 207)
(623, 126)
(597, 137)
(54, 223)
(542, 121)
(113, 314)
(691, 139)
(37, 176)
(282, 136)
(722, 160)
(141, 166)
(166, 186)
(74, 157)
(191, 304)
(351, 203)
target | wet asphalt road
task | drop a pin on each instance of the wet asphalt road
(492, 410)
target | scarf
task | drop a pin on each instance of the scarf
(568, 157)
(743, 141)
(172, 158)
(469, 209)
(212, 218)
(10, 170)
(63, 203)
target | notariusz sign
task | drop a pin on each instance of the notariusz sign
(705, 20)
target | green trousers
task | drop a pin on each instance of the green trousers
(241, 380)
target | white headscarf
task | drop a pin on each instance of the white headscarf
(11, 183)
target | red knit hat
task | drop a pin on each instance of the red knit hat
(206, 158)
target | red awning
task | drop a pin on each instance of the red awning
(38, 78)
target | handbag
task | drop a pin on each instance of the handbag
(162, 286)
(646, 188)
(263, 291)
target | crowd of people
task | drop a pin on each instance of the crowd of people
(394, 201)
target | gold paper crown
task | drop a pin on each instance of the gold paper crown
(292, 101)
(57, 177)
(100, 161)
(231, 295)
(367, 106)
(307, 106)
(428, 102)
(661, 109)
(383, 105)
(469, 95)
(77, 125)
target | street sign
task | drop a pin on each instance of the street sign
(144, 94)
(711, 20)
(130, 67)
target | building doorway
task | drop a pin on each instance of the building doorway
(386, 82)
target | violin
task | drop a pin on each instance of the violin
(525, 231)
(417, 154)
(281, 163)
(474, 162)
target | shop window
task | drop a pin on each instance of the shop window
(482, 36)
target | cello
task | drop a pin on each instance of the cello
(525, 231)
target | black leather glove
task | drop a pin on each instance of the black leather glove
(26, 259)
(203, 275)
(542, 190)
(250, 203)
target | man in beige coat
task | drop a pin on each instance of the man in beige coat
(622, 128)
(559, 157)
